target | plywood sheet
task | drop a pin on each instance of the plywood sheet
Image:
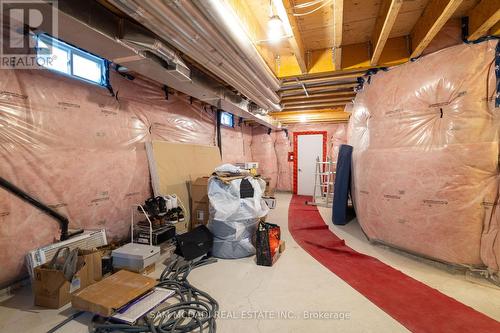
(175, 165)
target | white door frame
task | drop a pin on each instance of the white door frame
(296, 152)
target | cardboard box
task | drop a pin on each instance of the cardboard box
(93, 261)
(270, 202)
(269, 192)
(119, 288)
(52, 290)
(199, 202)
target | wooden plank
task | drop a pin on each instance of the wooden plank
(482, 17)
(322, 79)
(335, 114)
(313, 104)
(338, 19)
(177, 164)
(385, 21)
(323, 89)
(317, 100)
(435, 15)
(335, 94)
(495, 30)
(291, 26)
(255, 28)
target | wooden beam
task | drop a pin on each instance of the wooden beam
(243, 10)
(333, 115)
(483, 17)
(435, 15)
(333, 94)
(495, 30)
(314, 106)
(338, 22)
(385, 21)
(316, 100)
(285, 10)
(321, 89)
(322, 80)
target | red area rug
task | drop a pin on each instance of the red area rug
(415, 305)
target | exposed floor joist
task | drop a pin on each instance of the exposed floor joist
(483, 17)
(290, 23)
(313, 90)
(385, 21)
(332, 115)
(495, 30)
(316, 100)
(315, 106)
(338, 21)
(435, 15)
(332, 95)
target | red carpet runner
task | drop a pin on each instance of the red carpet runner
(418, 307)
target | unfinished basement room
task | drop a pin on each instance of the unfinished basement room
(250, 166)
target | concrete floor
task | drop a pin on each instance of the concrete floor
(288, 297)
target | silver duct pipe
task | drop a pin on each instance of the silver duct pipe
(99, 31)
(189, 12)
(162, 51)
(185, 36)
(210, 9)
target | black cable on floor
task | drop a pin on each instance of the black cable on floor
(193, 311)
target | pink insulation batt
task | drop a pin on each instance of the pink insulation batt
(425, 161)
(81, 151)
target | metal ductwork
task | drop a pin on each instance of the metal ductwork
(141, 41)
(186, 27)
(94, 28)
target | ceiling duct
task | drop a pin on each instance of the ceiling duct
(94, 28)
(142, 42)
(184, 26)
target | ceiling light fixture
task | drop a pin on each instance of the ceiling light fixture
(274, 26)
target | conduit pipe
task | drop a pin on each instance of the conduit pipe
(186, 40)
(189, 12)
(185, 36)
(225, 24)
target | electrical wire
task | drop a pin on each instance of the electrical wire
(308, 4)
(314, 10)
(193, 311)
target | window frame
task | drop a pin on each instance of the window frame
(72, 50)
(232, 119)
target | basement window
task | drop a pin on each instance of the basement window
(227, 119)
(61, 57)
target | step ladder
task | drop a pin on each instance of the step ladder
(324, 178)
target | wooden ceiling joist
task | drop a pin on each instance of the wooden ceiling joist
(322, 89)
(314, 106)
(308, 85)
(294, 78)
(385, 21)
(322, 80)
(295, 40)
(333, 115)
(495, 30)
(338, 22)
(316, 100)
(435, 15)
(340, 94)
(483, 17)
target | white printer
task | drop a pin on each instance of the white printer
(135, 257)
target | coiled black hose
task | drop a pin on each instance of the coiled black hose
(193, 311)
